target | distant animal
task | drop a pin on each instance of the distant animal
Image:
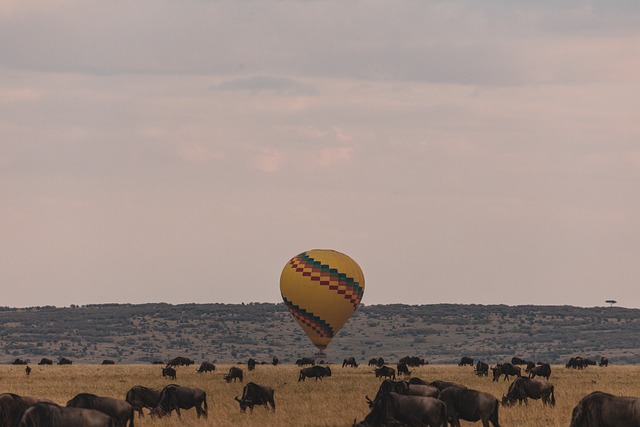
(317, 372)
(590, 362)
(385, 372)
(466, 361)
(401, 410)
(157, 362)
(305, 361)
(600, 409)
(27, 370)
(376, 362)
(543, 370)
(19, 362)
(108, 362)
(403, 369)
(51, 415)
(12, 406)
(251, 364)
(120, 410)
(526, 388)
(470, 405)
(482, 369)
(45, 361)
(576, 363)
(174, 397)
(350, 361)
(65, 361)
(179, 361)
(505, 369)
(254, 394)
(143, 397)
(275, 361)
(518, 361)
(169, 372)
(234, 374)
(413, 361)
(206, 367)
(604, 361)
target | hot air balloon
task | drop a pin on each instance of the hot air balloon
(321, 288)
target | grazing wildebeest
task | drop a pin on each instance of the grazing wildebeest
(350, 361)
(466, 361)
(275, 361)
(376, 362)
(143, 397)
(518, 361)
(314, 372)
(482, 369)
(169, 372)
(206, 367)
(254, 394)
(251, 364)
(45, 361)
(403, 387)
(51, 415)
(175, 397)
(591, 362)
(403, 369)
(305, 361)
(108, 362)
(470, 405)
(543, 370)
(604, 361)
(413, 361)
(19, 362)
(600, 409)
(180, 361)
(12, 406)
(524, 388)
(65, 361)
(120, 410)
(505, 369)
(234, 374)
(402, 410)
(385, 372)
(576, 363)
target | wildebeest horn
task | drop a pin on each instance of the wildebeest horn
(368, 399)
(237, 399)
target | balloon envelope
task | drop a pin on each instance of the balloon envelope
(321, 288)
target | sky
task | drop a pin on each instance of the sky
(183, 151)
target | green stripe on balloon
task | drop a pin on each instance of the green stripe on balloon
(313, 321)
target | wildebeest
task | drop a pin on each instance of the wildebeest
(576, 363)
(254, 394)
(206, 367)
(466, 361)
(403, 369)
(234, 374)
(108, 362)
(350, 361)
(604, 361)
(305, 361)
(180, 361)
(505, 369)
(470, 405)
(251, 364)
(169, 372)
(65, 361)
(543, 370)
(51, 415)
(482, 369)
(600, 409)
(385, 372)
(120, 410)
(175, 397)
(317, 372)
(439, 384)
(12, 406)
(524, 388)
(275, 361)
(376, 361)
(19, 362)
(403, 387)
(401, 410)
(143, 397)
(413, 361)
(27, 370)
(45, 361)
(518, 361)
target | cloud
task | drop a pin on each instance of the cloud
(277, 85)
(334, 155)
(270, 160)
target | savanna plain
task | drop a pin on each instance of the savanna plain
(336, 401)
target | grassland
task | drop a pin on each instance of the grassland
(336, 401)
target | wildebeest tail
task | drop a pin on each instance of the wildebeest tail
(553, 396)
(206, 408)
(131, 416)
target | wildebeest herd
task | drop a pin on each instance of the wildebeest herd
(399, 400)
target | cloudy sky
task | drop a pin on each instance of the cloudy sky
(183, 151)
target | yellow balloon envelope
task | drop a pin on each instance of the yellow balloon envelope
(321, 288)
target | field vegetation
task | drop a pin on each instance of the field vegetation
(335, 401)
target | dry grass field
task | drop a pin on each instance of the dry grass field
(336, 401)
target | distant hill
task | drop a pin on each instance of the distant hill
(230, 333)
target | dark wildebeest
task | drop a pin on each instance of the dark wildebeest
(590, 362)
(314, 372)
(65, 361)
(45, 361)
(393, 409)
(604, 361)
(51, 415)
(404, 388)
(275, 361)
(254, 394)
(13, 406)
(169, 372)
(143, 397)
(505, 369)
(350, 361)
(385, 372)
(518, 361)
(470, 405)
(120, 410)
(482, 369)
(175, 397)
(251, 364)
(234, 374)
(576, 363)
(19, 362)
(524, 388)
(600, 409)
(180, 361)
(206, 367)
(108, 362)
(27, 370)
(305, 361)
(413, 361)
(466, 361)
(543, 370)
(439, 384)
(403, 369)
